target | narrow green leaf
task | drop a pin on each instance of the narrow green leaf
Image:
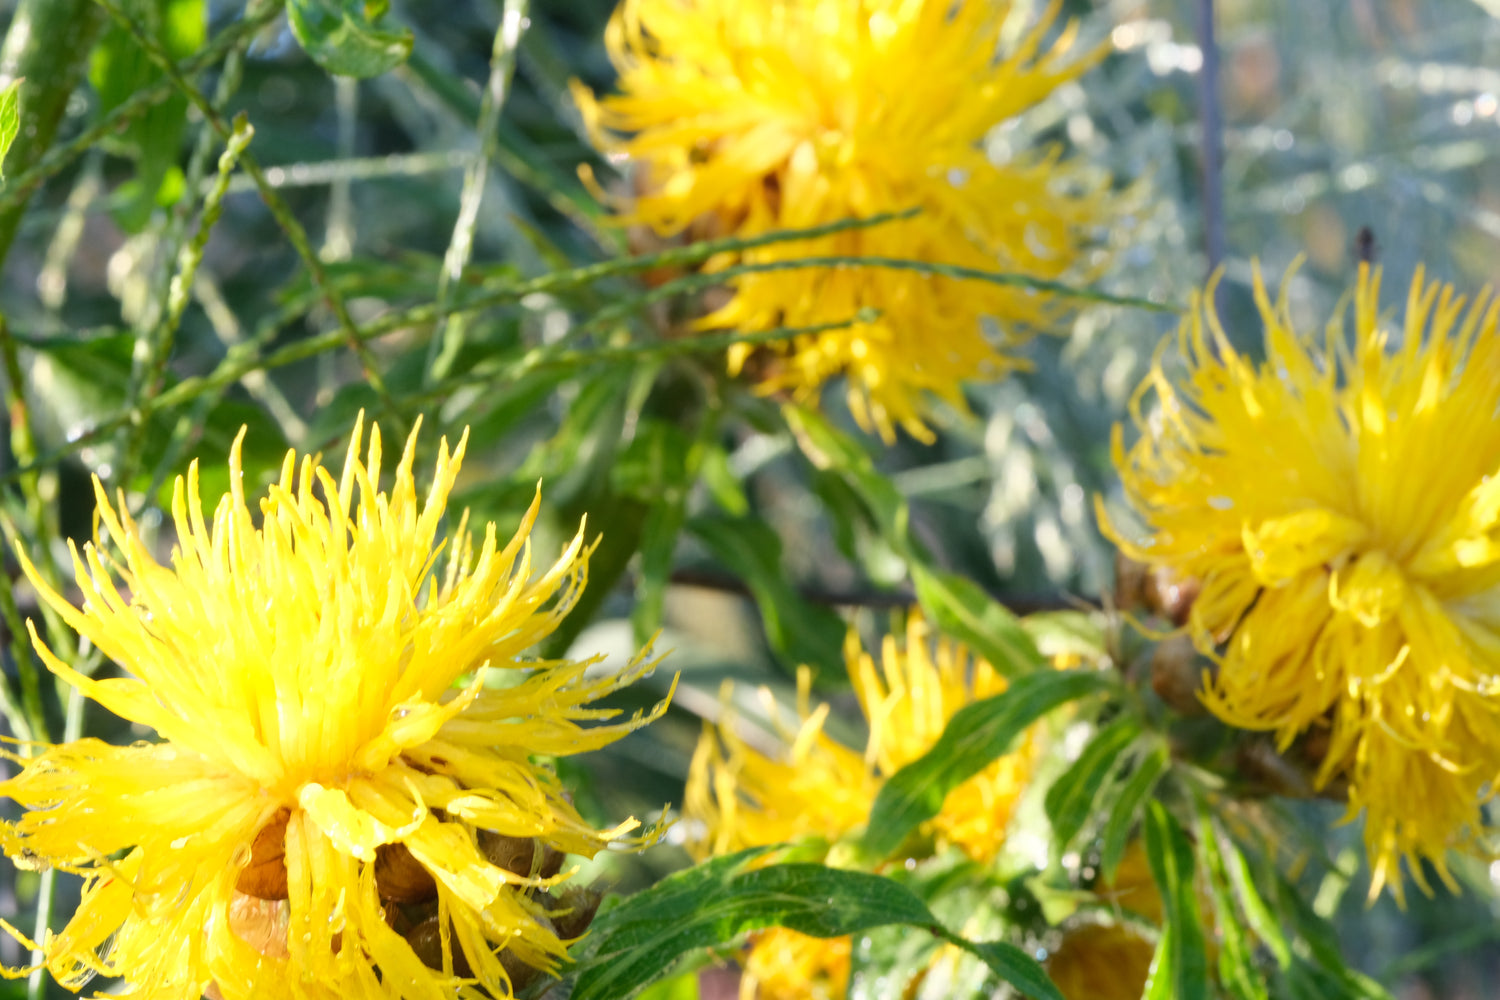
(1070, 800)
(1127, 807)
(1322, 942)
(659, 537)
(1161, 978)
(1434, 954)
(1012, 965)
(340, 38)
(976, 735)
(10, 120)
(831, 450)
(118, 69)
(1257, 914)
(717, 903)
(1080, 633)
(719, 478)
(1181, 969)
(658, 467)
(802, 632)
(958, 607)
(1237, 971)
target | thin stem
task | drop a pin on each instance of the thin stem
(514, 153)
(338, 235)
(693, 283)
(36, 984)
(67, 231)
(23, 184)
(179, 292)
(156, 328)
(1020, 604)
(237, 364)
(1211, 125)
(295, 233)
(553, 356)
(48, 44)
(320, 172)
(450, 336)
(38, 487)
(16, 713)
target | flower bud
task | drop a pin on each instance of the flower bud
(1176, 675)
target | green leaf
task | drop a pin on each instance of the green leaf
(10, 120)
(339, 36)
(1322, 942)
(1127, 806)
(831, 450)
(1180, 969)
(1015, 967)
(653, 466)
(958, 607)
(717, 903)
(1070, 800)
(657, 467)
(1257, 914)
(976, 735)
(118, 68)
(722, 485)
(1237, 971)
(1058, 633)
(802, 632)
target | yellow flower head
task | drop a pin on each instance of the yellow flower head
(331, 747)
(761, 115)
(785, 965)
(1340, 505)
(817, 787)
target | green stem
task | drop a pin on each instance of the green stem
(445, 346)
(24, 181)
(48, 45)
(36, 983)
(237, 364)
(280, 211)
(159, 343)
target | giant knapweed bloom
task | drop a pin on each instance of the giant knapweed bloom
(749, 116)
(343, 798)
(1339, 504)
(818, 789)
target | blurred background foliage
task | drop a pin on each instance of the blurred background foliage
(719, 528)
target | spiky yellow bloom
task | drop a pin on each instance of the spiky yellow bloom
(333, 764)
(748, 117)
(818, 788)
(1340, 505)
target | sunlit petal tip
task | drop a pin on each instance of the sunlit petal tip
(740, 119)
(1333, 502)
(300, 677)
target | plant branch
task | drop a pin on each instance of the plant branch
(1211, 128)
(450, 336)
(296, 234)
(48, 45)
